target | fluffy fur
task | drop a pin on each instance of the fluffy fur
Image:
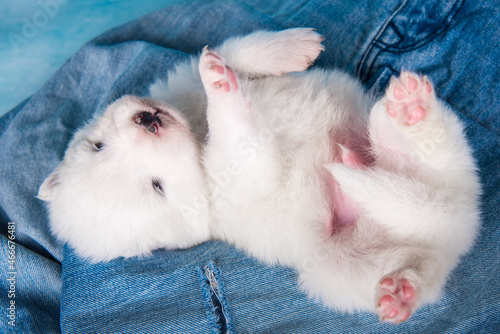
(373, 208)
(130, 182)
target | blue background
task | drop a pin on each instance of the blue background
(31, 52)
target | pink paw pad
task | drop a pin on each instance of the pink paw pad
(409, 98)
(396, 298)
(215, 73)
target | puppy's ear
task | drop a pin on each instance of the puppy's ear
(47, 187)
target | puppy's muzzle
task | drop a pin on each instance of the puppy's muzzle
(151, 121)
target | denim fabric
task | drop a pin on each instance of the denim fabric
(214, 287)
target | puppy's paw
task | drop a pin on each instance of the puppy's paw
(410, 98)
(264, 53)
(395, 297)
(297, 49)
(217, 77)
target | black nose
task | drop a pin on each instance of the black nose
(148, 120)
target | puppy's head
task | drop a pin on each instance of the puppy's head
(131, 181)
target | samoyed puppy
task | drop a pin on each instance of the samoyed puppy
(372, 201)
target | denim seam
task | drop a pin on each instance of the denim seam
(385, 47)
(427, 40)
(377, 36)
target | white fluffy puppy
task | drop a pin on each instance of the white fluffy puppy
(373, 208)
(131, 181)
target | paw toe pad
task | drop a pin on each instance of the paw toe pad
(409, 98)
(396, 299)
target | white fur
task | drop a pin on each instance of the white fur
(271, 142)
(103, 203)
(276, 160)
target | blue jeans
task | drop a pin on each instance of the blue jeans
(213, 287)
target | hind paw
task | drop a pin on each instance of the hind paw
(395, 298)
(217, 77)
(409, 98)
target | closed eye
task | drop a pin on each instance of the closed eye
(97, 146)
(157, 186)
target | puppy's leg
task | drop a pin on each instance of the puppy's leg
(422, 190)
(412, 277)
(417, 137)
(392, 281)
(258, 54)
(403, 120)
(265, 53)
(411, 130)
(423, 183)
(239, 144)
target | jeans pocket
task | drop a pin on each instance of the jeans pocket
(415, 23)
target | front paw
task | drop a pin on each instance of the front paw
(217, 77)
